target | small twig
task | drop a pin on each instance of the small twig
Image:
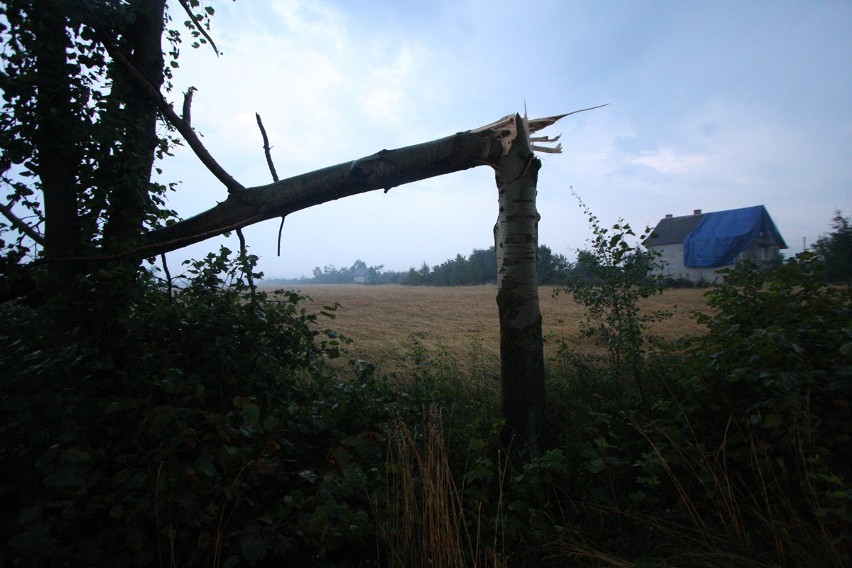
(266, 149)
(280, 229)
(168, 276)
(198, 25)
(187, 105)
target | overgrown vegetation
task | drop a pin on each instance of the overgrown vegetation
(224, 438)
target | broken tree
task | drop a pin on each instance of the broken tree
(506, 146)
(84, 127)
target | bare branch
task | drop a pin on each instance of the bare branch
(266, 149)
(20, 224)
(187, 105)
(280, 229)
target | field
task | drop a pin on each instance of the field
(461, 323)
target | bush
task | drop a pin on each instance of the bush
(757, 437)
(222, 440)
(609, 280)
(221, 437)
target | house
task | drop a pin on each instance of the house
(694, 247)
(360, 275)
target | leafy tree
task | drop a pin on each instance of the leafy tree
(82, 84)
(485, 264)
(552, 268)
(80, 138)
(835, 249)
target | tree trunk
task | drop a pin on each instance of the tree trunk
(58, 154)
(130, 121)
(132, 118)
(521, 344)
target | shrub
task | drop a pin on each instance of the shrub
(223, 439)
(760, 451)
(613, 276)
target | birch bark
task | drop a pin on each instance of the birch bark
(516, 243)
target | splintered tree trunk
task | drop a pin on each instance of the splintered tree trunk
(521, 344)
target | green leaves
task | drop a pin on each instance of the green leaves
(609, 280)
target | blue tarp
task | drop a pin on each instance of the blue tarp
(721, 236)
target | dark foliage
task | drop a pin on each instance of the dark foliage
(219, 440)
(835, 250)
(481, 268)
(223, 438)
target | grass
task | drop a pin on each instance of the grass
(462, 323)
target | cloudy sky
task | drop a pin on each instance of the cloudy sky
(712, 106)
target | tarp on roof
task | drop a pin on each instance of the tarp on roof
(722, 235)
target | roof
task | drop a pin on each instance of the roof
(673, 230)
(715, 239)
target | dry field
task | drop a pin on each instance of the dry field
(462, 322)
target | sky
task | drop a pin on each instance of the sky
(711, 106)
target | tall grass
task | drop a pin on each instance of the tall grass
(426, 523)
(734, 513)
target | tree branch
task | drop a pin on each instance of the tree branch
(164, 107)
(383, 170)
(187, 106)
(268, 152)
(198, 25)
(20, 224)
(266, 149)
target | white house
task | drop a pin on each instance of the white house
(360, 275)
(694, 247)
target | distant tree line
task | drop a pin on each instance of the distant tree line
(480, 267)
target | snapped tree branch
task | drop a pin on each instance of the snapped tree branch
(383, 170)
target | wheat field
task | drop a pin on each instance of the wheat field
(461, 323)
